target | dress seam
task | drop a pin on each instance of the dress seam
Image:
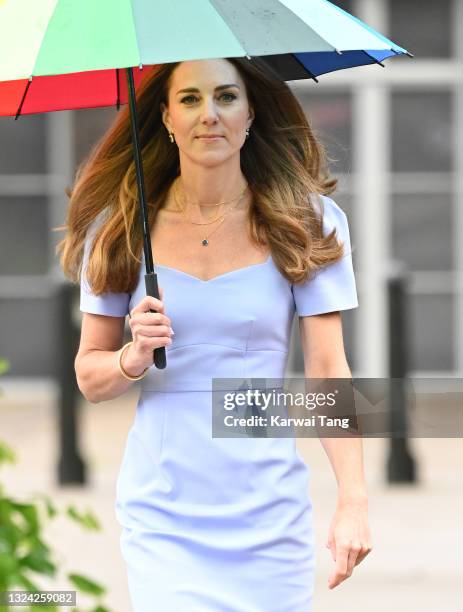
(226, 346)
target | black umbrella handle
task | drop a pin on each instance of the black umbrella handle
(151, 283)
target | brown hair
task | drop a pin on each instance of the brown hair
(282, 161)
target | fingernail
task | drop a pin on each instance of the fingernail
(172, 331)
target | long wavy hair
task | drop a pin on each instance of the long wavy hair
(283, 163)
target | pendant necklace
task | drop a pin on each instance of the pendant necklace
(205, 240)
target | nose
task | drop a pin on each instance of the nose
(208, 110)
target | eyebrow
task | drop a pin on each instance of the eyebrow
(195, 89)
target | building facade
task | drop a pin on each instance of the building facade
(395, 140)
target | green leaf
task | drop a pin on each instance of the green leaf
(7, 454)
(30, 515)
(51, 509)
(100, 609)
(23, 581)
(87, 520)
(8, 564)
(6, 509)
(38, 560)
(11, 534)
(4, 366)
(86, 585)
(33, 542)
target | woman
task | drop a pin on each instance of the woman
(242, 241)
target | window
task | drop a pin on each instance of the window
(421, 131)
(423, 27)
(89, 126)
(431, 328)
(422, 231)
(24, 235)
(22, 145)
(329, 114)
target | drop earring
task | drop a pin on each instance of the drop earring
(171, 137)
(247, 132)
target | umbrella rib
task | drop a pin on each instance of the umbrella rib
(400, 53)
(23, 98)
(311, 74)
(374, 59)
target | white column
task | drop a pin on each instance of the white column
(371, 144)
(60, 163)
(458, 192)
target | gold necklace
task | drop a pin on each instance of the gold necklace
(213, 205)
(205, 240)
(218, 216)
(183, 210)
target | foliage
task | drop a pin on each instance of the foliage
(24, 554)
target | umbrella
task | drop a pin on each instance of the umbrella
(69, 54)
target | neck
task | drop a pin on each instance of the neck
(203, 186)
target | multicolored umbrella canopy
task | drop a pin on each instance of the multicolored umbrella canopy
(67, 54)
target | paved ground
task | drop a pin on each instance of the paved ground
(417, 561)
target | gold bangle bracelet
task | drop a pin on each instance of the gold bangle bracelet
(123, 372)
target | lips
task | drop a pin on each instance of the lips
(210, 136)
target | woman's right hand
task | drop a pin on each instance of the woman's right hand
(150, 330)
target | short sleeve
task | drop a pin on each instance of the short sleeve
(333, 287)
(111, 304)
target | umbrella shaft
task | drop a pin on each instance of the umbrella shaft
(152, 289)
(139, 172)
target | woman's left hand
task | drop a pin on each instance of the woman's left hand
(349, 538)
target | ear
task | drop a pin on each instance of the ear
(164, 114)
(251, 116)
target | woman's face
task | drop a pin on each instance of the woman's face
(208, 108)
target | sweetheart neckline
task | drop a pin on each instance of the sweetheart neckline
(218, 276)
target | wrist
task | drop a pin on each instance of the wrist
(129, 365)
(353, 496)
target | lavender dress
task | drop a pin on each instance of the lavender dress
(219, 524)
